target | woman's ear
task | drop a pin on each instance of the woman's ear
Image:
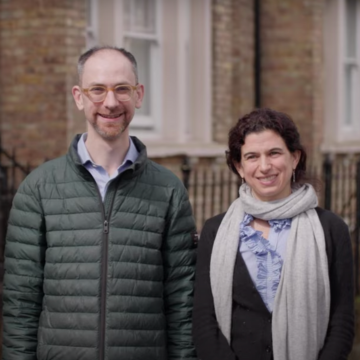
(239, 169)
(296, 158)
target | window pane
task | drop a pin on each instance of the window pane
(351, 91)
(141, 49)
(351, 27)
(89, 13)
(140, 16)
(127, 14)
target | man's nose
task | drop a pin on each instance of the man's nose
(110, 100)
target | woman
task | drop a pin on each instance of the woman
(274, 276)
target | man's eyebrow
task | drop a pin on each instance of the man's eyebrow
(100, 84)
(95, 84)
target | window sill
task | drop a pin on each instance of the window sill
(341, 148)
(162, 149)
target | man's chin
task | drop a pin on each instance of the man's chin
(112, 133)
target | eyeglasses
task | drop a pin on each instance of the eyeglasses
(97, 93)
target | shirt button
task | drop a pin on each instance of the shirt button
(268, 349)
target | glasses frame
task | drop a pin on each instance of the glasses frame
(108, 88)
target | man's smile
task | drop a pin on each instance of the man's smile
(110, 116)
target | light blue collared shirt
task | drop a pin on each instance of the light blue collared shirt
(264, 258)
(101, 177)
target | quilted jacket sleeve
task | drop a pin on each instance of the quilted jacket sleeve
(179, 268)
(23, 279)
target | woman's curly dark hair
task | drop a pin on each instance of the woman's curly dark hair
(260, 120)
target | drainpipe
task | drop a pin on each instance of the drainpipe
(257, 54)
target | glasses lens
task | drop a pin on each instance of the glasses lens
(97, 93)
(123, 92)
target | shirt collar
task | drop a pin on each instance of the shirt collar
(277, 224)
(85, 158)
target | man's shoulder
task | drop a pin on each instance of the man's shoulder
(154, 173)
(47, 171)
(162, 176)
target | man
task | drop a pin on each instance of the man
(99, 253)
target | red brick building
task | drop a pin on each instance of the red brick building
(204, 63)
(197, 59)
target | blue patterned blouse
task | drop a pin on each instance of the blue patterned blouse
(264, 258)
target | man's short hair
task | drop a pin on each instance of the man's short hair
(86, 55)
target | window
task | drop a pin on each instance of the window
(171, 41)
(351, 65)
(141, 38)
(342, 75)
(92, 23)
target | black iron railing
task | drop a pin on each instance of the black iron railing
(11, 174)
(213, 188)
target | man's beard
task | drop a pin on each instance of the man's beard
(111, 132)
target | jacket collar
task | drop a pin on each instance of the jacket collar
(132, 170)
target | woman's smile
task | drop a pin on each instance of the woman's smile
(267, 165)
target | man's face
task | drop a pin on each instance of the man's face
(111, 117)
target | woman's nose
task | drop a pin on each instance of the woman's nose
(264, 163)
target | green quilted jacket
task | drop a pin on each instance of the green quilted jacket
(91, 280)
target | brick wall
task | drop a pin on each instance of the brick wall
(291, 41)
(233, 54)
(291, 64)
(40, 43)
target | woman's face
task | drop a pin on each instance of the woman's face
(267, 165)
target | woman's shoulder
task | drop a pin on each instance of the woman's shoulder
(212, 224)
(209, 231)
(329, 219)
(210, 228)
(336, 231)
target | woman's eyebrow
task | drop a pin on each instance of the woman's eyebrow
(255, 152)
(277, 149)
(250, 153)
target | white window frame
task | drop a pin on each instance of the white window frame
(339, 136)
(348, 131)
(183, 43)
(181, 92)
(152, 123)
(92, 30)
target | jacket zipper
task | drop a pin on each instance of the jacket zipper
(104, 271)
(104, 274)
(103, 289)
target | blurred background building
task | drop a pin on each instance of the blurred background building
(204, 63)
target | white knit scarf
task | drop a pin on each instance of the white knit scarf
(302, 302)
